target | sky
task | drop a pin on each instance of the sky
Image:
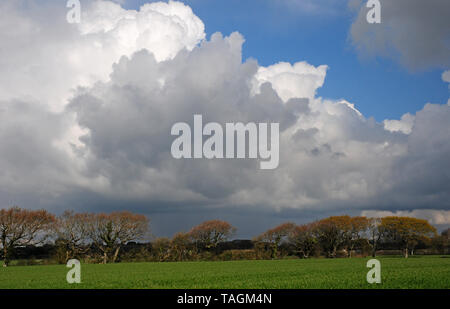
(86, 109)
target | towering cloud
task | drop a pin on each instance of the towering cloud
(44, 57)
(300, 80)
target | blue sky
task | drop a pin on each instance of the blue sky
(286, 31)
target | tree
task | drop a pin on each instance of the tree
(333, 233)
(160, 249)
(210, 233)
(180, 246)
(358, 227)
(446, 233)
(441, 242)
(406, 231)
(303, 240)
(376, 231)
(72, 232)
(274, 237)
(109, 232)
(20, 227)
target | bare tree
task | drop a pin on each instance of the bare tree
(180, 246)
(161, 248)
(441, 242)
(72, 232)
(109, 232)
(358, 228)
(333, 233)
(20, 227)
(274, 237)
(446, 233)
(376, 231)
(407, 232)
(210, 233)
(302, 237)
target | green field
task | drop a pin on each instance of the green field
(415, 272)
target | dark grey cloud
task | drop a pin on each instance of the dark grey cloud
(414, 32)
(129, 119)
(33, 166)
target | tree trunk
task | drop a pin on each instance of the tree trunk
(374, 248)
(350, 251)
(274, 251)
(5, 255)
(116, 253)
(406, 253)
(334, 251)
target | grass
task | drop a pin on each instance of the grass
(412, 273)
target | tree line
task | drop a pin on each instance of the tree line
(124, 236)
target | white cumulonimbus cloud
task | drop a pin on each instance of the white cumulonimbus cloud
(86, 112)
(403, 125)
(43, 57)
(300, 80)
